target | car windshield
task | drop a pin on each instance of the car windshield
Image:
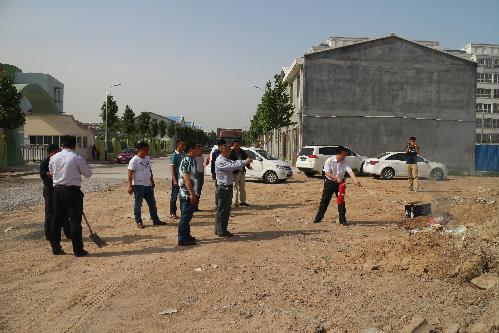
(380, 155)
(265, 155)
(306, 151)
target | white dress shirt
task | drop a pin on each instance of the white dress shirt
(338, 169)
(67, 167)
(224, 169)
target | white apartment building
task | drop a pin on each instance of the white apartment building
(487, 93)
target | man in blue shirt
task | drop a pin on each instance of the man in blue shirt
(189, 190)
(412, 151)
(175, 159)
(224, 169)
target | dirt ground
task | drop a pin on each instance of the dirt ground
(280, 273)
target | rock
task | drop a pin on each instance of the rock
(168, 311)
(199, 269)
(418, 324)
(453, 328)
(214, 266)
(9, 229)
(486, 281)
(371, 330)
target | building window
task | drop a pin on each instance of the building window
(479, 107)
(57, 95)
(485, 77)
(496, 93)
(78, 141)
(487, 123)
(495, 108)
(478, 138)
(478, 123)
(494, 138)
(483, 93)
(85, 142)
(487, 108)
(298, 87)
(495, 123)
(488, 62)
(496, 78)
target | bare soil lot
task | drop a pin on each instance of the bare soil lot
(280, 273)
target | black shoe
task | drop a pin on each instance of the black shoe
(244, 204)
(82, 253)
(186, 242)
(344, 223)
(159, 223)
(58, 252)
(317, 220)
(227, 234)
(192, 238)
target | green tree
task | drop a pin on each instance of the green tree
(128, 122)
(162, 128)
(143, 121)
(153, 129)
(171, 130)
(112, 113)
(11, 115)
(212, 138)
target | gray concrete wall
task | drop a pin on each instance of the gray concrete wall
(391, 78)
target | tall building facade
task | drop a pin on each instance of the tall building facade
(487, 94)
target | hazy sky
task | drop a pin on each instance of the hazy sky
(198, 58)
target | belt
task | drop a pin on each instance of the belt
(224, 186)
(69, 187)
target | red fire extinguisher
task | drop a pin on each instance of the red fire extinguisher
(340, 199)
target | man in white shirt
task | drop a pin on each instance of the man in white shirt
(141, 184)
(334, 174)
(66, 168)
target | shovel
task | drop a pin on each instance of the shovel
(93, 236)
(371, 192)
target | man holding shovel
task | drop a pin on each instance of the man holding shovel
(334, 175)
(66, 168)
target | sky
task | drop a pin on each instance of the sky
(199, 59)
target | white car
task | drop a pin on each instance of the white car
(311, 159)
(264, 167)
(392, 164)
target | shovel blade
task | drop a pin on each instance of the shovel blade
(97, 240)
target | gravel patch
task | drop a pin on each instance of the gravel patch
(18, 192)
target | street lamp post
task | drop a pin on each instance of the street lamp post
(105, 133)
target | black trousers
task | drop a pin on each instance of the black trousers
(330, 187)
(224, 204)
(48, 195)
(68, 203)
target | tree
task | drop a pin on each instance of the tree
(212, 138)
(153, 128)
(162, 128)
(112, 113)
(11, 115)
(128, 122)
(143, 121)
(171, 130)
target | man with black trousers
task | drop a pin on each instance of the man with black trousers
(334, 174)
(239, 175)
(66, 168)
(48, 193)
(214, 154)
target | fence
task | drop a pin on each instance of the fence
(34, 153)
(487, 158)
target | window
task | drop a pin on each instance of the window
(327, 151)
(47, 140)
(250, 154)
(487, 108)
(496, 78)
(32, 140)
(78, 141)
(85, 142)
(496, 93)
(55, 140)
(478, 123)
(306, 151)
(495, 108)
(298, 86)
(57, 95)
(494, 138)
(479, 107)
(420, 159)
(487, 123)
(495, 123)
(397, 157)
(478, 138)
(488, 62)
(484, 93)
(485, 77)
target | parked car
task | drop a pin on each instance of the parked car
(311, 159)
(126, 155)
(265, 167)
(392, 164)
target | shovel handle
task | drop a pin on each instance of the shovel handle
(88, 225)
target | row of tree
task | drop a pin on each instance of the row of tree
(143, 126)
(274, 111)
(11, 116)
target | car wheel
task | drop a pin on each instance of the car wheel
(309, 174)
(361, 171)
(270, 177)
(387, 173)
(436, 174)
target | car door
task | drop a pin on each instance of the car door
(352, 159)
(397, 162)
(424, 168)
(256, 166)
(324, 154)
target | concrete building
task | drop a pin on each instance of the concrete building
(373, 94)
(487, 94)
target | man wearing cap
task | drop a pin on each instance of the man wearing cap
(48, 193)
(66, 168)
(224, 168)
